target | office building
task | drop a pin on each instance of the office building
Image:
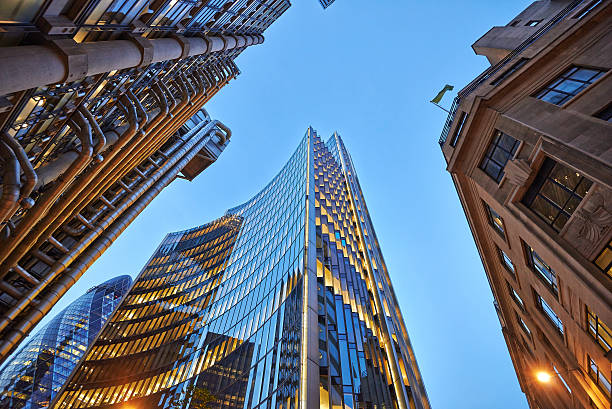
(92, 94)
(528, 145)
(32, 378)
(284, 302)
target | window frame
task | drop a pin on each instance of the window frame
(597, 375)
(493, 148)
(535, 191)
(564, 78)
(523, 324)
(549, 313)
(608, 269)
(507, 262)
(551, 283)
(513, 68)
(593, 329)
(499, 228)
(516, 297)
(457, 134)
(587, 9)
(605, 114)
(533, 23)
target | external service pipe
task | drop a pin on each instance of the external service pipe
(131, 105)
(189, 149)
(26, 167)
(24, 235)
(30, 66)
(10, 181)
(105, 239)
(100, 137)
(83, 131)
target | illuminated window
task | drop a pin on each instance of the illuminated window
(598, 376)
(556, 192)
(598, 330)
(604, 260)
(495, 219)
(569, 84)
(549, 313)
(501, 149)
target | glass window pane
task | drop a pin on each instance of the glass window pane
(569, 84)
(584, 74)
(555, 193)
(554, 97)
(604, 259)
(565, 176)
(545, 209)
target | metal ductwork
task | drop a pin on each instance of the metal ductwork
(30, 66)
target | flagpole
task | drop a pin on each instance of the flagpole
(443, 109)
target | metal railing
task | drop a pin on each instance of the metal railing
(494, 69)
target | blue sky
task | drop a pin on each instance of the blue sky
(366, 69)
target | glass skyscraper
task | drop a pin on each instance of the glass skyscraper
(32, 378)
(284, 302)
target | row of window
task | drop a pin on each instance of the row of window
(596, 328)
(553, 196)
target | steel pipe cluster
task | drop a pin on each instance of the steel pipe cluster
(119, 172)
(30, 66)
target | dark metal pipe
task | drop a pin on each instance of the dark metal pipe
(101, 139)
(165, 174)
(29, 173)
(10, 181)
(25, 67)
(25, 236)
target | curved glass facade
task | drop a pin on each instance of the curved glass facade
(32, 378)
(284, 302)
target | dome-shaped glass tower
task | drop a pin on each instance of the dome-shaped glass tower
(36, 373)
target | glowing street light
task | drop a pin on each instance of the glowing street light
(543, 376)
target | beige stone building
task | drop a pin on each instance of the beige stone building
(529, 147)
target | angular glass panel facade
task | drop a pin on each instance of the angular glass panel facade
(36, 373)
(284, 302)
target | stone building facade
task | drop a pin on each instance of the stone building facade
(528, 145)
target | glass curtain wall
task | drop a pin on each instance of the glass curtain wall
(216, 311)
(285, 302)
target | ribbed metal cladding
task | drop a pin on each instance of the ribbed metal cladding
(284, 302)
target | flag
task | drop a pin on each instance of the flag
(438, 97)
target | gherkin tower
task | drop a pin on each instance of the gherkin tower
(284, 302)
(36, 373)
